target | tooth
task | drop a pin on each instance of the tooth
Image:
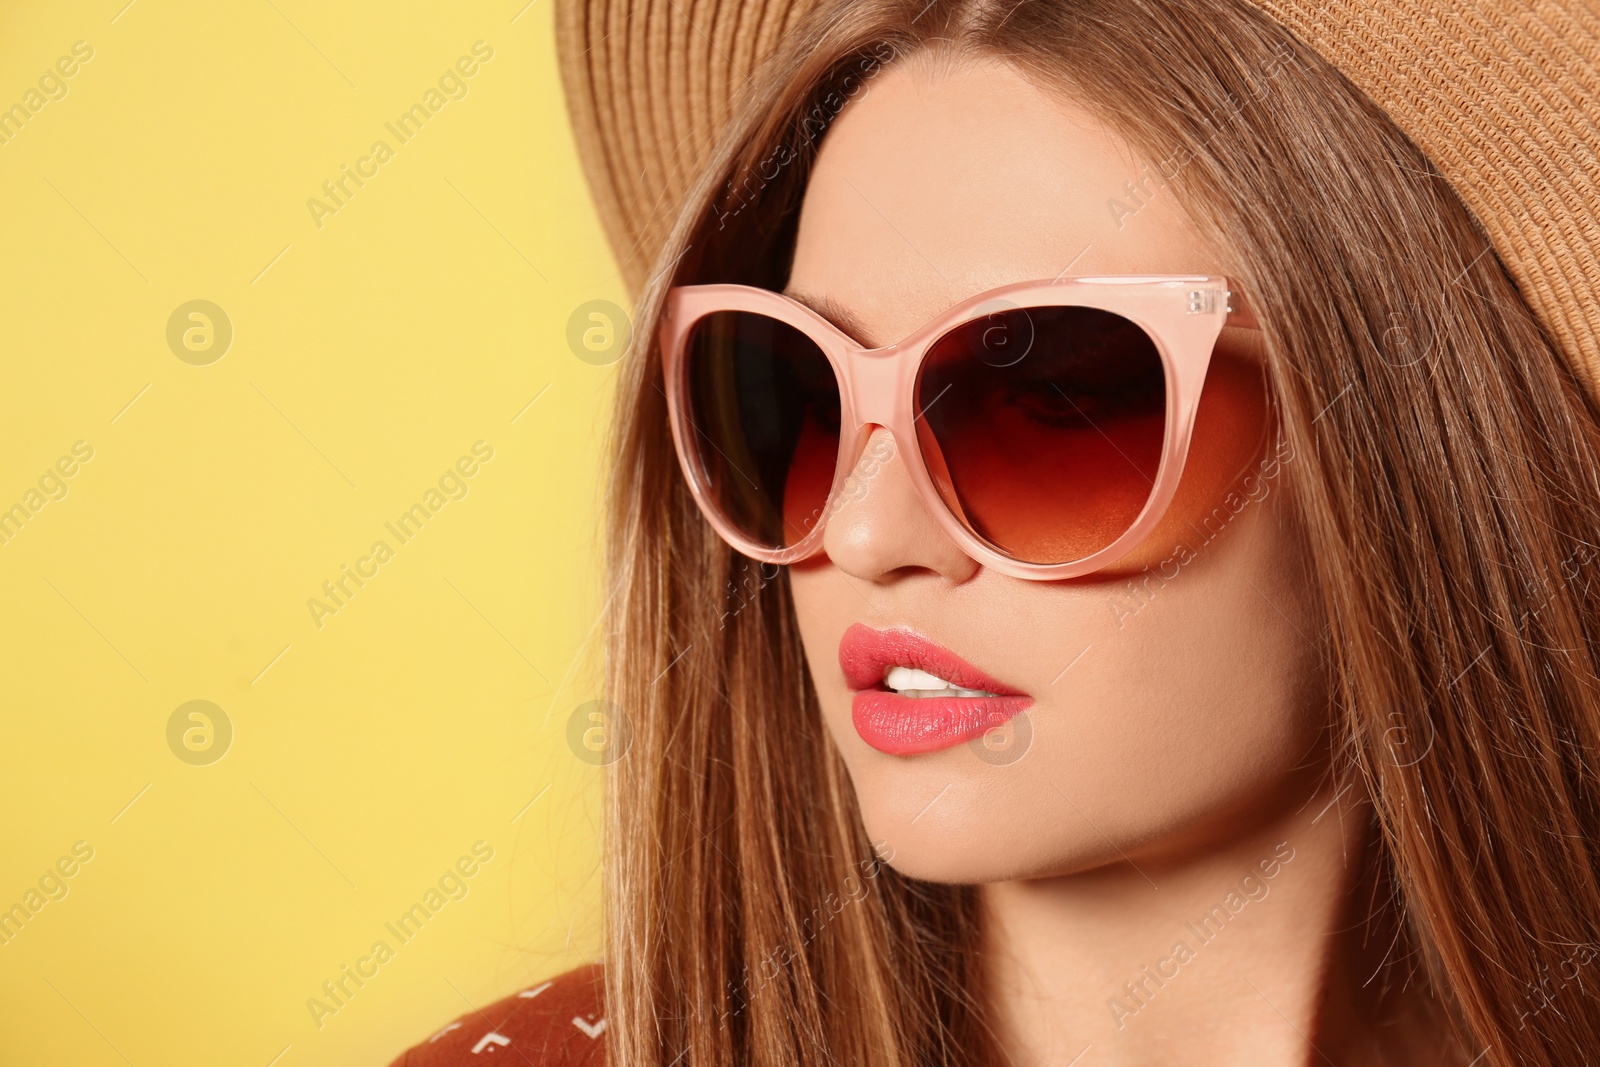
(910, 682)
(911, 678)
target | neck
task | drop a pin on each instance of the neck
(1260, 947)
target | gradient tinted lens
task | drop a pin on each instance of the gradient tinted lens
(1042, 428)
(763, 402)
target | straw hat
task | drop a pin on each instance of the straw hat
(1502, 95)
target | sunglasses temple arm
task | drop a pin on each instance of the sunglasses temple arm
(1239, 313)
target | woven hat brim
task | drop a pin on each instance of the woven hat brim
(1503, 97)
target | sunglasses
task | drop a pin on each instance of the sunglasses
(1044, 424)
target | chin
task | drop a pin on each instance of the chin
(1064, 807)
(975, 841)
(949, 816)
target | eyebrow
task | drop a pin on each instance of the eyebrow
(834, 312)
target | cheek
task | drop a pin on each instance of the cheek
(824, 607)
(826, 603)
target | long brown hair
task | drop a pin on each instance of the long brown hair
(1448, 489)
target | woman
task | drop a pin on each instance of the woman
(978, 711)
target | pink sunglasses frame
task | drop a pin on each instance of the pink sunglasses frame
(1183, 314)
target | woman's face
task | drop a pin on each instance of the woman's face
(1175, 698)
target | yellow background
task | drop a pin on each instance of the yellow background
(368, 354)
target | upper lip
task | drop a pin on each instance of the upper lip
(865, 653)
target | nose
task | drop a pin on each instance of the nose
(880, 527)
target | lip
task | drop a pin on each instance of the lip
(905, 726)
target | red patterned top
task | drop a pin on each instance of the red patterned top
(558, 1023)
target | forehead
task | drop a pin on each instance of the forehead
(942, 180)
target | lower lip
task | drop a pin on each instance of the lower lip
(906, 726)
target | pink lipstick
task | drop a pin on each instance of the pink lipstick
(953, 701)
